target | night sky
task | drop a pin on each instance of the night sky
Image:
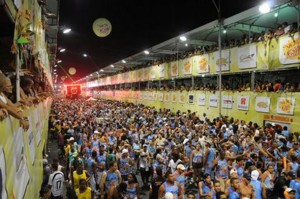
(136, 25)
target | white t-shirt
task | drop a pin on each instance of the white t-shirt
(56, 181)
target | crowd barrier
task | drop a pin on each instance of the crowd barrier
(21, 153)
(282, 108)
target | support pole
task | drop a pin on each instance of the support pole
(18, 77)
(220, 61)
(252, 80)
(193, 83)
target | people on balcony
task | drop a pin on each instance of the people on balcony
(11, 108)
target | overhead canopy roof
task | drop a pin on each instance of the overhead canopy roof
(248, 22)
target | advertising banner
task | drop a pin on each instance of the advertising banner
(174, 68)
(262, 104)
(182, 98)
(224, 60)
(2, 174)
(201, 63)
(289, 49)
(227, 102)
(161, 97)
(150, 96)
(191, 99)
(174, 97)
(154, 96)
(30, 136)
(247, 56)
(213, 101)
(187, 66)
(243, 103)
(285, 105)
(153, 72)
(167, 97)
(201, 99)
(161, 70)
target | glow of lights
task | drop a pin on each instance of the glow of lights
(101, 70)
(67, 30)
(146, 52)
(62, 50)
(224, 31)
(112, 66)
(123, 61)
(182, 38)
(59, 61)
(186, 45)
(276, 14)
(264, 8)
(85, 55)
(55, 65)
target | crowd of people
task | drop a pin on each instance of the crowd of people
(32, 92)
(106, 146)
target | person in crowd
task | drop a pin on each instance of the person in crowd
(259, 188)
(79, 174)
(144, 168)
(125, 163)
(156, 183)
(206, 188)
(83, 191)
(118, 192)
(281, 184)
(180, 176)
(234, 190)
(56, 182)
(268, 179)
(295, 184)
(95, 179)
(170, 185)
(132, 191)
(110, 179)
(196, 162)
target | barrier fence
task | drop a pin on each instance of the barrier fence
(21, 153)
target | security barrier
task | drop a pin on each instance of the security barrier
(282, 108)
(21, 155)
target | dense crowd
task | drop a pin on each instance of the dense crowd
(105, 145)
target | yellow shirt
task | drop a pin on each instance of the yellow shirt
(77, 177)
(67, 150)
(84, 195)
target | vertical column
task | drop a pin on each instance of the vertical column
(193, 82)
(252, 80)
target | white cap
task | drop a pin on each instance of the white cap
(143, 154)
(185, 141)
(71, 139)
(289, 189)
(169, 195)
(254, 175)
(233, 171)
(124, 151)
(181, 167)
(96, 132)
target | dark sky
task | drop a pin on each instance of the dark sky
(136, 25)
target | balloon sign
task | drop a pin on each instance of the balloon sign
(102, 27)
(72, 71)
